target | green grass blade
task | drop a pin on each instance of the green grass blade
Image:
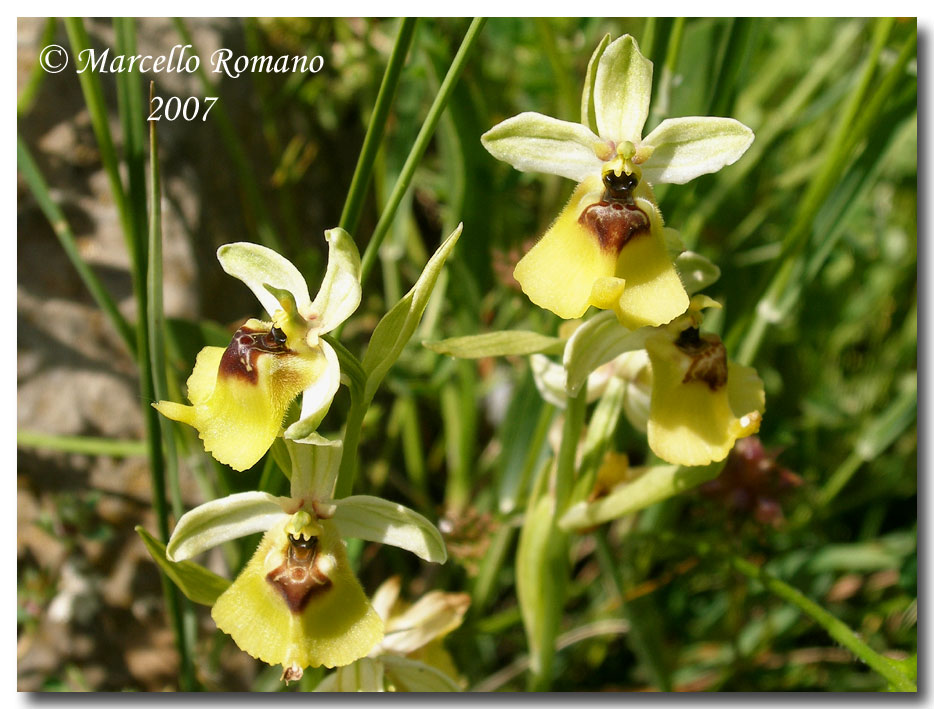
(837, 629)
(27, 96)
(421, 144)
(40, 191)
(84, 445)
(350, 216)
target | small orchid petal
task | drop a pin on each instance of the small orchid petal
(377, 520)
(256, 266)
(221, 520)
(622, 91)
(532, 142)
(314, 467)
(316, 399)
(340, 290)
(434, 615)
(685, 148)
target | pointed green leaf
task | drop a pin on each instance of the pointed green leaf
(197, 583)
(497, 344)
(393, 332)
(221, 520)
(377, 520)
(685, 148)
(340, 290)
(257, 266)
(656, 484)
(596, 342)
(532, 142)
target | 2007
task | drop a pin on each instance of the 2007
(172, 107)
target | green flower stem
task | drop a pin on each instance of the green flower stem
(421, 144)
(40, 191)
(570, 435)
(246, 171)
(84, 445)
(163, 458)
(350, 216)
(352, 432)
(838, 630)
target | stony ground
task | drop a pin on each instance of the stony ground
(90, 610)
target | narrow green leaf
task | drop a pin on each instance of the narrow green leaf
(497, 344)
(197, 583)
(395, 329)
(656, 484)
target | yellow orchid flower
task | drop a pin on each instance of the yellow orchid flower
(240, 395)
(701, 402)
(297, 602)
(607, 246)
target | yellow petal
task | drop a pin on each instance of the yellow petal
(654, 294)
(559, 272)
(693, 421)
(332, 625)
(610, 256)
(240, 395)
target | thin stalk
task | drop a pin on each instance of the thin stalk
(421, 144)
(352, 433)
(40, 191)
(28, 95)
(837, 629)
(570, 435)
(84, 445)
(180, 611)
(350, 216)
(97, 110)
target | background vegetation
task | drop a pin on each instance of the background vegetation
(814, 229)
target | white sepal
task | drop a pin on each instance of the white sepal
(221, 520)
(377, 520)
(532, 142)
(622, 91)
(257, 265)
(685, 148)
(339, 295)
(316, 399)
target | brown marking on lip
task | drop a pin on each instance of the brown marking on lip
(708, 358)
(240, 357)
(616, 219)
(298, 579)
